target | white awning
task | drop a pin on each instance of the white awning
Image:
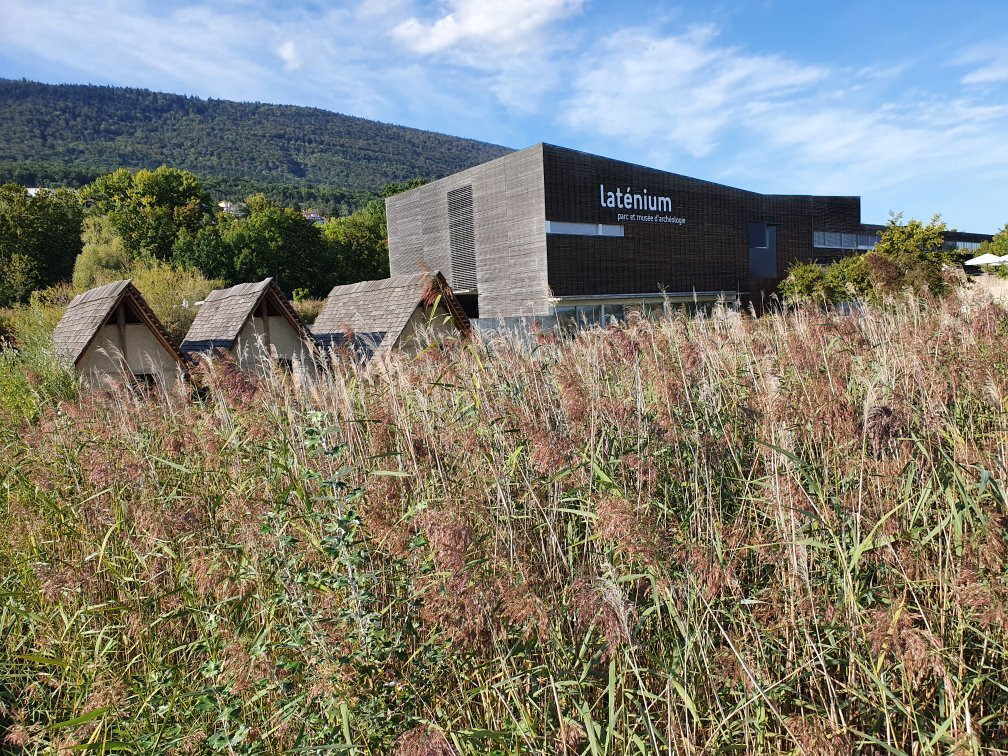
(987, 259)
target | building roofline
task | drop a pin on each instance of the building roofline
(544, 146)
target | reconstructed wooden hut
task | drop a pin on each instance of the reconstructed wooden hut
(111, 331)
(253, 321)
(398, 313)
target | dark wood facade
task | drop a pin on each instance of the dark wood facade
(520, 268)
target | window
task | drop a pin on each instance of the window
(582, 229)
(613, 313)
(762, 251)
(832, 240)
(588, 315)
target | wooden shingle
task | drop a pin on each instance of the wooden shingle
(88, 312)
(225, 312)
(379, 311)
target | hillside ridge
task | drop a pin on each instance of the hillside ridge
(69, 133)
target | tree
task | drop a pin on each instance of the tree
(39, 239)
(909, 255)
(358, 244)
(171, 292)
(402, 186)
(837, 282)
(19, 278)
(149, 209)
(996, 246)
(277, 242)
(103, 258)
(267, 241)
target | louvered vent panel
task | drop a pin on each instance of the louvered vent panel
(462, 238)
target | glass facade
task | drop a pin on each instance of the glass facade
(836, 240)
(865, 242)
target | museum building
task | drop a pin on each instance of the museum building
(552, 231)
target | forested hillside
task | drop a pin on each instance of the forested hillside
(69, 134)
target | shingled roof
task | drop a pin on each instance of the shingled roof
(225, 312)
(88, 312)
(379, 311)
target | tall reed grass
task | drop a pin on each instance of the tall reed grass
(696, 535)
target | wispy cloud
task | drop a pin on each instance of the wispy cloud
(515, 24)
(683, 97)
(778, 123)
(288, 54)
(989, 63)
(682, 91)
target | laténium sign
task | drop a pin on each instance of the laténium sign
(630, 200)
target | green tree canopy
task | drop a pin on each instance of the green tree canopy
(149, 209)
(909, 255)
(268, 241)
(358, 244)
(39, 239)
(103, 258)
(996, 246)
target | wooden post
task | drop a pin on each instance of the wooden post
(265, 317)
(121, 326)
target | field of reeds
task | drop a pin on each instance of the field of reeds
(697, 535)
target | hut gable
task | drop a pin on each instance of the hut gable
(386, 312)
(112, 324)
(228, 315)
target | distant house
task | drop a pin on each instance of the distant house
(227, 207)
(314, 216)
(111, 331)
(253, 321)
(397, 313)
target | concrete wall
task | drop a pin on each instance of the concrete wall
(144, 353)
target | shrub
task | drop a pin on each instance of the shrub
(19, 275)
(308, 309)
(1000, 271)
(171, 292)
(103, 258)
(804, 281)
(31, 375)
(841, 280)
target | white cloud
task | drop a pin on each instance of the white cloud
(493, 23)
(681, 90)
(688, 103)
(989, 62)
(529, 70)
(991, 73)
(288, 53)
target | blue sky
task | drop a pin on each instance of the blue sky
(902, 103)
